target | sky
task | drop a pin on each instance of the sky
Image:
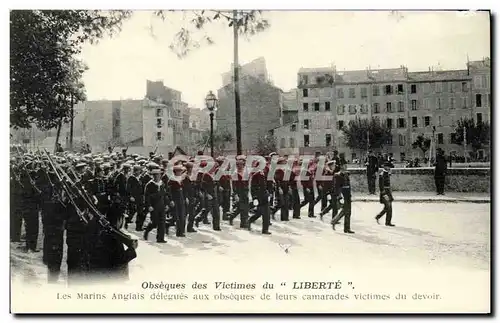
(119, 66)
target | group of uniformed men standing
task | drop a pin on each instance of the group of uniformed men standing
(125, 188)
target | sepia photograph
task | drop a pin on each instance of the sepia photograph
(230, 161)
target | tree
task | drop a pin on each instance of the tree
(45, 75)
(478, 133)
(221, 139)
(265, 145)
(192, 35)
(424, 144)
(364, 134)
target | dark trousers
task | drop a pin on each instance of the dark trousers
(53, 240)
(439, 180)
(31, 225)
(179, 212)
(371, 182)
(190, 205)
(283, 203)
(242, 208)
(78, 250)
(158, 222)
(345, 212)
(387, 210)
(295, 202)
(262, 210)
(212, 206)
(141, 216)
(309, 199)
(16, 221)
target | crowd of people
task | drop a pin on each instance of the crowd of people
(92, 197)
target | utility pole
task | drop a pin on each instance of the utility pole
(236, 68)
(71, 124)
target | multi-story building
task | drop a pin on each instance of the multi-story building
(260, 105)
(409, 103)
(256, 68)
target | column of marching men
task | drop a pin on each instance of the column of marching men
(137, 193)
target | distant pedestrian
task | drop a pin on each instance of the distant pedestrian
(440, 171)
(372, 166)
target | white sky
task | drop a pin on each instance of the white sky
(119, 67)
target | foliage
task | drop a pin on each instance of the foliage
(478, 133)
(221, 139)
(187, 39)
(265, 145)
(357, 132)
(45, 75)
(422, 143)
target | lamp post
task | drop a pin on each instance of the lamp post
(211, 103)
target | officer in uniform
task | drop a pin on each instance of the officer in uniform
(385, 194)
(261, 195)
(343, 181)
(371, 171)
(178, 209)
(212, 205)
(136, 194)
(240, 187)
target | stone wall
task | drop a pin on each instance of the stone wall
(473, 180)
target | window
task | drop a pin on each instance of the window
(427, 121)
(292, 142)
(402, 140)
(440, 138)
(293, 128)
(306, 124)
(427, 104)
(400, 89)
(427, 88)
(439, 121)
(159, 136)
(328, 123)
(388, 89)
(438, 103)
(159, 123)
(465, 88)
(376, 108)
(352, 93)
(364, 108)
(305, 93)
(388, 107)
(401, 122)
(340, 93)
(452, 87)
(364, 92)
(452, 103)
(414, 104)
(414, 122)
(413, 88)
(306, 140)
(376, 90)
(478, 84)
(328, 139)
(159, 113)
(389, 123)
(389, 140)
(439, 87)
(478, 101)
(401, 106)
(170, 123)
(327, 106)
(464, 103)
(402, 156)
(316, 106)
(352, 109)
(341, 124)
(353, 156)
(341, 109)
(305, 106)
(282, 143)
(479, 117)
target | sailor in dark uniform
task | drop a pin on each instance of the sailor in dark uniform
(386, 198)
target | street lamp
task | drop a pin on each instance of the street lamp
(211, 103)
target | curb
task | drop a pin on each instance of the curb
(427, 200)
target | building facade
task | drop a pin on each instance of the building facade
(256, 69)
(409, 103)
(260, 104)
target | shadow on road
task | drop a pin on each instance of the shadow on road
(416, 232)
